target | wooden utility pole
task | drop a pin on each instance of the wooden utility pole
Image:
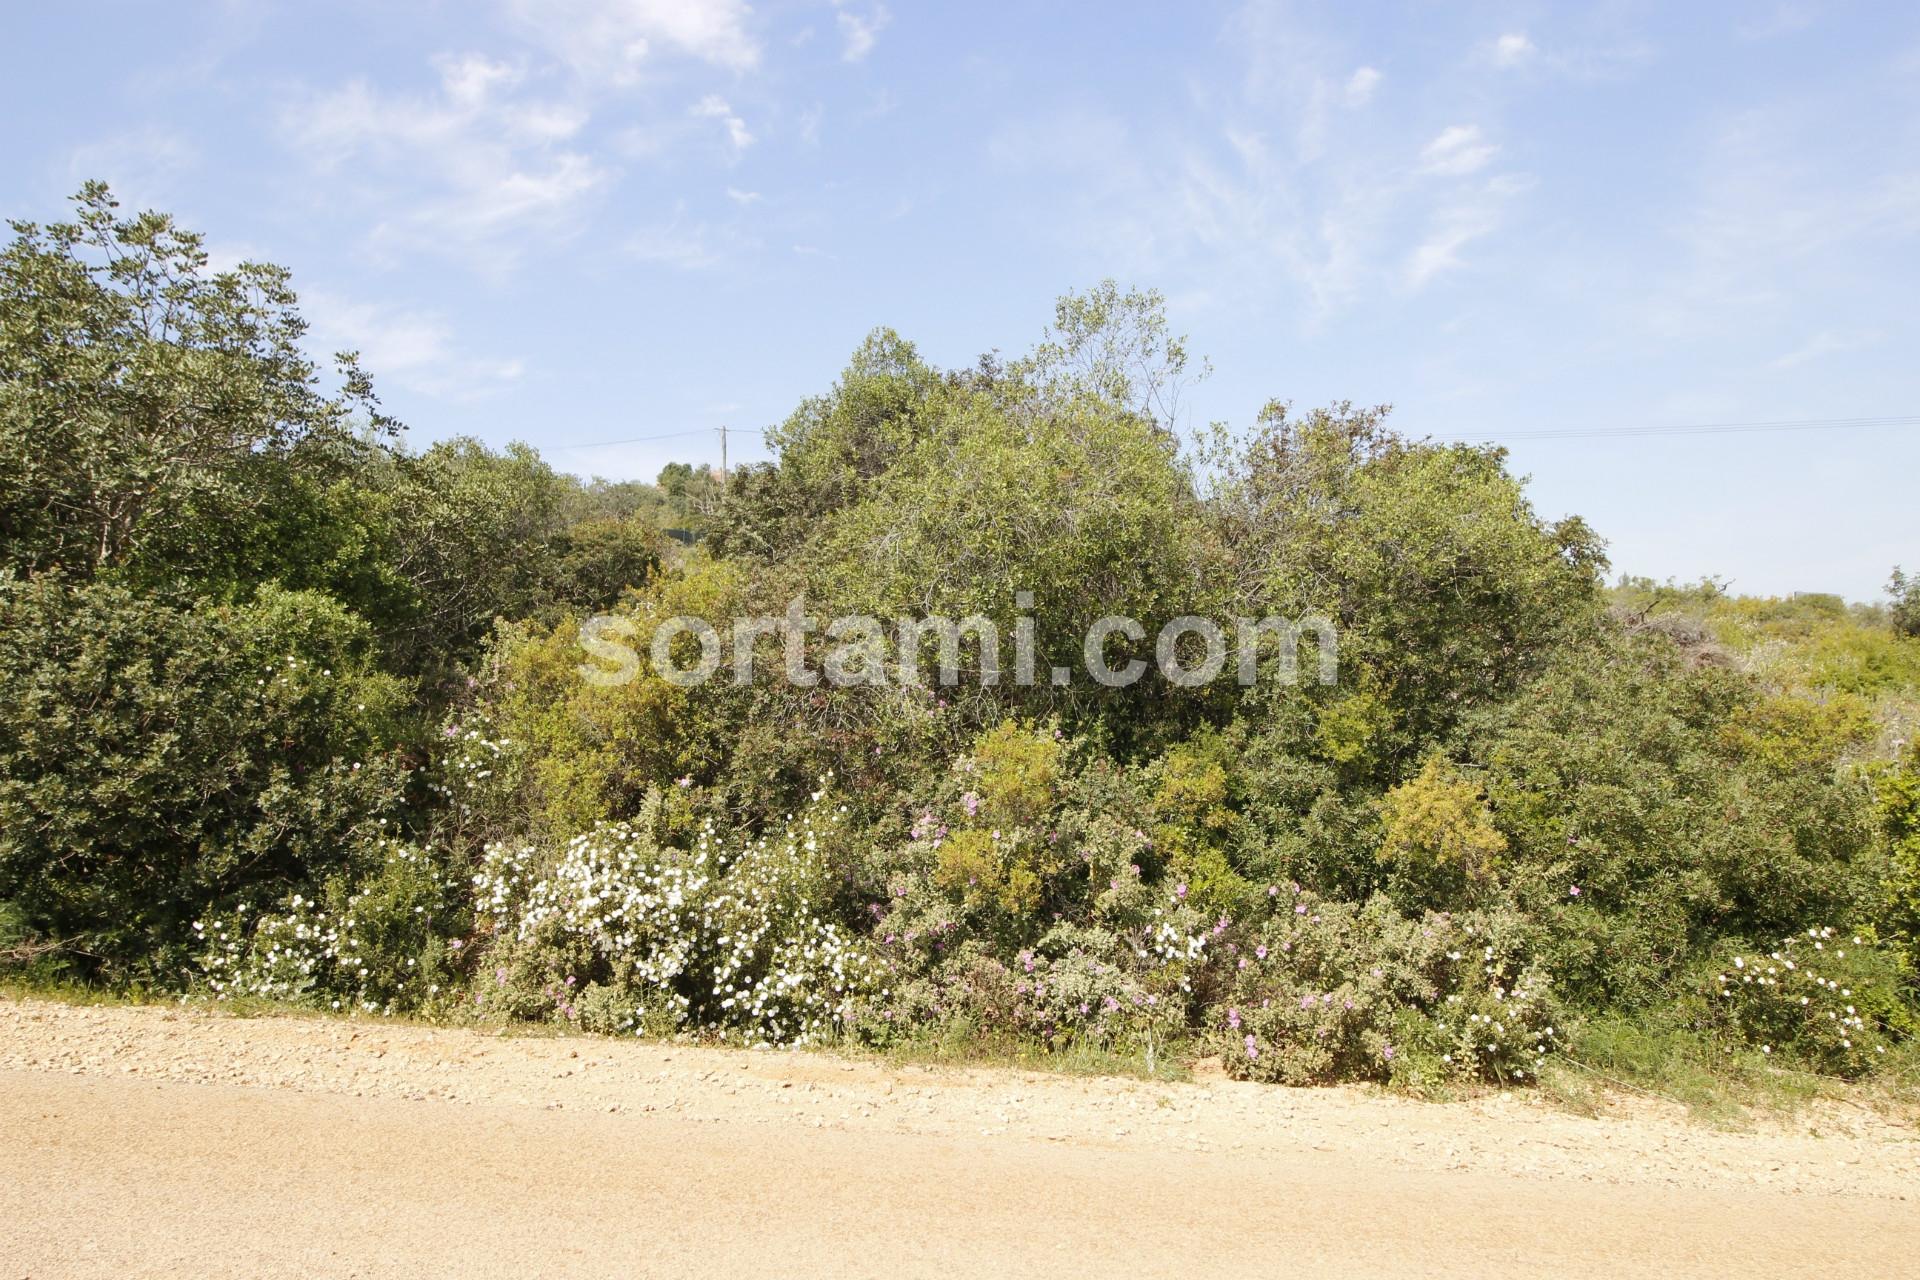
(723, 457)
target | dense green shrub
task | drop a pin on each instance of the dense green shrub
(1899, 791)
(1651, 806)
(159, 761)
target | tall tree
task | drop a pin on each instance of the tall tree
(141, 392)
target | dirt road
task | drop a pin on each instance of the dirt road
(167, 1142)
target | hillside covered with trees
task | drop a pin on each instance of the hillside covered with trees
(296, 712)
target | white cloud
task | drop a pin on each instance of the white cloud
(1784, 18)
(1459, 149)
(1338, 216)
(413, 349)
(1513, 49)
(1606, 53)
(808, 125)
(1272, 188)
(461, 169)
(1782, 207)
(714, 107)
(858, 33)
(740, 197)
(1471, 215)
(609, 41)
(1823, 344)
(146, 168)
(1440, 251)
(1360, 86)
(687, 246)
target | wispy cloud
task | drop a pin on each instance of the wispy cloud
(1513, 49)
(1601, 50)
(1280, 183)
(1783, 207)
(1823, 344)
(410, 348)
(463, 169)
(687, 244)
(715, 107)
(144, 166)
(614, 42)
(1458, 150)
(859, 31)
(1476, 213)
(1361, 85)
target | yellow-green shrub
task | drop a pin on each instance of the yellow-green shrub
(1439, 819)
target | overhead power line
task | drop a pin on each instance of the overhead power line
(1704, 428)
(665, 435)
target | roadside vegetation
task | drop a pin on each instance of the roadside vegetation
(296, 713)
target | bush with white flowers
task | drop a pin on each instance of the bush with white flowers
(1821, 997)
(476, 774)
(731, 936)
(378, 943)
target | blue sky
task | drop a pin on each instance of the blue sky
(588, 220)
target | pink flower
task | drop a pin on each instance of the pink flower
(1180, 890)
(1260, 952)
(1574, 892)
(1233, 1019)
(1253, 1049)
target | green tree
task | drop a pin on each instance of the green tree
(1905, 611)
(143, 397)
(830, 449)
(1446, 588)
